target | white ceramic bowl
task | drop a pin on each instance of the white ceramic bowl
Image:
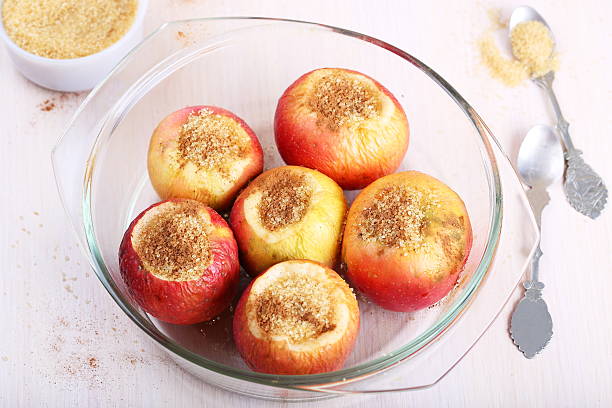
(76, 74)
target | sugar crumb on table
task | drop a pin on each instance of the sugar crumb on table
(60, 100)
(46, 105)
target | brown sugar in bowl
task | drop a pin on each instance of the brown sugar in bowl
(82, 72)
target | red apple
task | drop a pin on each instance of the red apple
(204, 153)
(179, 261)
(406, 240)
(299, 317)
(342, 123)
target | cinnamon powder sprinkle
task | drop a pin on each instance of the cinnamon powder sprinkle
(173, 244)
(297, 306)
(285, 199)
(210, 141)
(340, 98)
(397, 217)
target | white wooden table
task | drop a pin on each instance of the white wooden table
(63, 342)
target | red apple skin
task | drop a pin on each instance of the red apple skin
(401, 290)
(401, 283)
(175, 184)
(368, 156)
(270, 357)
(184, 302)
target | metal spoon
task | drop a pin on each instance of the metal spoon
(540, 163)
(584, 189)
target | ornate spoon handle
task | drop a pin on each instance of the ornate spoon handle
(531, 324)
(584, 189)
(545, 82)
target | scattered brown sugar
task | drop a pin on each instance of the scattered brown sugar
(185, 38)
(397, 217)
(510, 71)
(297, 306)
(93, 362)
(60, 100)
(496, 20)
(47, 105)
(173, 244)
(211, 141)
(533, 49)
(339, 98)
(64, 29)
(285, 199)
(533, 46)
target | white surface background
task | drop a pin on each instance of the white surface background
(56, 315)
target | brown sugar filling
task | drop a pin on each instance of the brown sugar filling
(173, 244)
(285, 199)
(339, 98)
(397, 217)
(210, 141)
(296, 306)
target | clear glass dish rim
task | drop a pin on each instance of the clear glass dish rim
(347, 375)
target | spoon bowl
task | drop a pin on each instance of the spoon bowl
(540, 158)
(523, 14)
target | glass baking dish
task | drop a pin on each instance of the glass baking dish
(243, 64)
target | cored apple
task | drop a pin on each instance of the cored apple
(203, 153)
(179, 261)
(288, 213)
(342, 123)
(299, 317)
(406, 240)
